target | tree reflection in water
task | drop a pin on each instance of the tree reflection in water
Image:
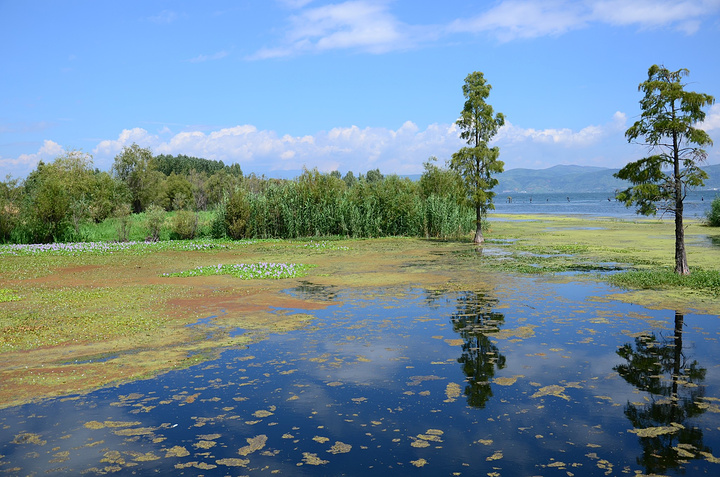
(474, 320)
(659, 367)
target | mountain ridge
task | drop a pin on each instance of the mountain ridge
(573, 178)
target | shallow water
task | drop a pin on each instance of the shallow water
(696, 204)
(533, 379)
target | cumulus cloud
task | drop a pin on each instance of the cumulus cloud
(110, 147)
(566, 137)
(402, 150)
(24, 163)
(712, 119)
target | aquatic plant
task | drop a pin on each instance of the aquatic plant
(666, 278)
(101, 248)
(7, 295)
(253, 271)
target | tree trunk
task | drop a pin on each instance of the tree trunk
(478, 229)
(681, 265)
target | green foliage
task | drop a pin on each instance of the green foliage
(708, 280)
(218, 228)
(10, 196)
(155, 221)
(134, 167)
(237, 215)
(478, 163)
(7, 295)
(219, 187)
(312, 205)
(439, 181)
(317, 204)
(184, 225)
(183, 165)
(59, 197)
(124, 222)
(713, 215)
(179, 192)
(667, 126)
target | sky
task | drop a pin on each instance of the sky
(278, 85)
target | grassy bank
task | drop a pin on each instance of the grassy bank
(76, 317)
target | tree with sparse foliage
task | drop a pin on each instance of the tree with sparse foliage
(667, 126)
(477, 163)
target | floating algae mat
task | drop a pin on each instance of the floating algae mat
(534, 378)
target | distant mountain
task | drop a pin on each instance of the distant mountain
(571, 178)
(559, 179)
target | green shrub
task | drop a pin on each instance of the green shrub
(713, 215)
(184, 224)
(154, 221)
(124, 222)
(218, 229)
(237, 215)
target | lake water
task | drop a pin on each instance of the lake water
(589, 203)
(535, 378)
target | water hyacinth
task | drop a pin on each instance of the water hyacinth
(244, 271)
(324, 245)
(101, 248)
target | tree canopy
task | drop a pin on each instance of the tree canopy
(667, 126)
(477, 163)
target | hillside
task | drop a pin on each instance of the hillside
(571, 178)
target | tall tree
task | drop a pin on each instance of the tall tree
(135, 167)
(478, 162)
(667, 127)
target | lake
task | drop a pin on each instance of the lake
(697, 204)
(528, 378)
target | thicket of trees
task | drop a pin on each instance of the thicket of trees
(56, 199)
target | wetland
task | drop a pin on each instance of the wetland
(523, 357)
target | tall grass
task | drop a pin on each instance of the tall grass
(313, 207)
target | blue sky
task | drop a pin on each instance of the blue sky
(276, 85)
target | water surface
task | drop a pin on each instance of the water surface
(534, 378)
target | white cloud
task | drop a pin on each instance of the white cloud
(525, 19)
(111, 147)
(362, 25)
(401, 151)
(513, 19)
(24, 163)
(685, 15)
(712, 119)
(370, 26)
(585, 137)
(347, 148)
